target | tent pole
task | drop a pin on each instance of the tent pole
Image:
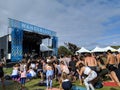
(48, 45)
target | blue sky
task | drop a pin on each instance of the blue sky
(86, 23)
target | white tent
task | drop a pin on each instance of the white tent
(98, 49)
(44, 48)
(118, 50)
(82, 50)
(109, 48)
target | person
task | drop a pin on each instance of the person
(90, 61)
(57, 70)
(72, 68)
(63, 58)
(22, 78)
(49, 75)
(15, 72)
(111, 59)
(31, 74)
(66, 84)
(115, 74)
(118, 59)
(103, 70)
(81, 60)
(91, 75)
(2, 75)
(64, 67)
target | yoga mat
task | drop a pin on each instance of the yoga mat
(73, 88)
(110, 84)
(78, 88)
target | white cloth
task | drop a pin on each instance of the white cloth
(32, 72)
(14, 72)
(33, 65)
(87, 70)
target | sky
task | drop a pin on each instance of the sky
(86, 23)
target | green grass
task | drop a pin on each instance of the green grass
(33, 84)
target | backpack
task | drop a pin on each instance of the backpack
(98, 85)
(7, 77)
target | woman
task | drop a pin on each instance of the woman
(91, 75)
(64, 67)
(103, 70)
(2, 75)
(115, 74)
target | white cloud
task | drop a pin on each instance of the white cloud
(76, 21)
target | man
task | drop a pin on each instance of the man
(111, 59)
(90, 61)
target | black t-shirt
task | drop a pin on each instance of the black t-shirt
(72, 65)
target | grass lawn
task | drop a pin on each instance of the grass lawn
(33, 84)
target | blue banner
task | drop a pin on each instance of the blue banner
(17, 39)
(28, 27)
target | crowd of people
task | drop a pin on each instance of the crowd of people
(87, 68)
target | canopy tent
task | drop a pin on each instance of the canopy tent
(82, 50)
(109, 48)
(44, 48)
(98, 49)
(118, 50)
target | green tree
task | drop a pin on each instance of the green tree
(63, 50)
(72, 47)
(116, 47)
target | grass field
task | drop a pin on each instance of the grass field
(33, 84)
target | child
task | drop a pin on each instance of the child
(49, 74)
(15, 73)
(22, 79)
(66, 84)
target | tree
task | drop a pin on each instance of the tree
(116, 47)
(72, 47)
(63, 50)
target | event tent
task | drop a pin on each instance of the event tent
(82, 50)
(109, 48)
(44, 48)
(98, 49)
(118, 50)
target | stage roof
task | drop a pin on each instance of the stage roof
(34, 36)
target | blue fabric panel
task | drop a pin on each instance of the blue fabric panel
(17, 39)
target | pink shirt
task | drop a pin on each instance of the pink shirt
(23, 74)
